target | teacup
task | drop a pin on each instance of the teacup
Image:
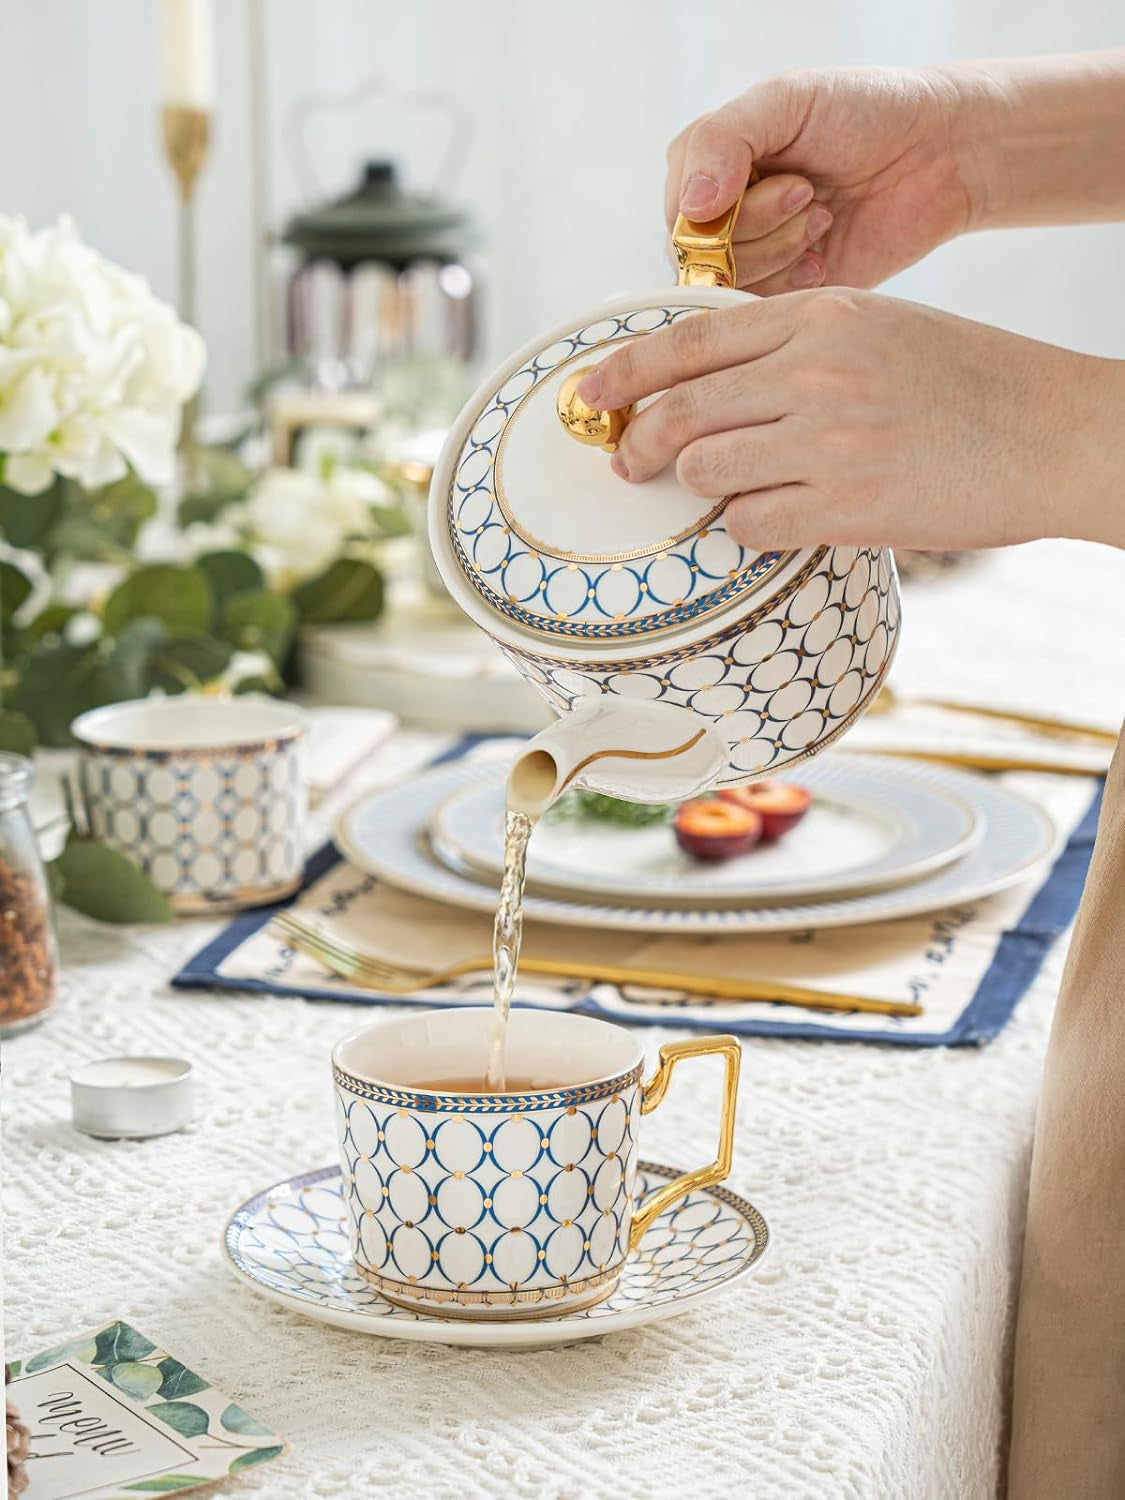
(205, 794)
(504, 1205)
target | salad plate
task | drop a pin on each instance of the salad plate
(871, 824)
(385, 833)
(290, 1243)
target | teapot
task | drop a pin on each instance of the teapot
(677, 658)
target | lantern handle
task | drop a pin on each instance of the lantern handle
(458, 116)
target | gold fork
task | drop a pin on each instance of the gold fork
(372, 972)
(887, 700)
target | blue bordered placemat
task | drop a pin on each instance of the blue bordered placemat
(1018, 957)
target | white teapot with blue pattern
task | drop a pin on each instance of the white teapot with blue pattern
(676, 657)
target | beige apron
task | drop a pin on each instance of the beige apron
(1068, 1416)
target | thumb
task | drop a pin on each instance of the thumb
(724, 146)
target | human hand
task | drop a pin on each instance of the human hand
(887, 152)
(835, 416)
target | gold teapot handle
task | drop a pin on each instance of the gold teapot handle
(705, 256)
(653, 1092)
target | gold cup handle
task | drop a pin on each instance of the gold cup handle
(652, 1093)
(705, 257)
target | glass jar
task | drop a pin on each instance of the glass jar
(28, 958)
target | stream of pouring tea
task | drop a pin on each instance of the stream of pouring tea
(506, 935)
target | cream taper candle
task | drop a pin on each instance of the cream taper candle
(187, 53)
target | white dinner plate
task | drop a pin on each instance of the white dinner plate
(384, 833)
(871, 824)
(289, 1243)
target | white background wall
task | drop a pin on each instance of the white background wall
(573, 107)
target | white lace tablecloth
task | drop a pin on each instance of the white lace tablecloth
(867, 1359)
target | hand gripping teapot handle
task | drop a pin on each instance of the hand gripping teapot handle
(705, 256)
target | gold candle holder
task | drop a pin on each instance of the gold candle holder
(187, 135)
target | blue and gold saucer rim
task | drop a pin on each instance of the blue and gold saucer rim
(532, 1102)
(326, 1178)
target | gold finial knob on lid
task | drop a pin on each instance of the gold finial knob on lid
(589, 424)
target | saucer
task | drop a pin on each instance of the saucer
(289, 1243)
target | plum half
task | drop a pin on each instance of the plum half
(779, 805)
(712, 828)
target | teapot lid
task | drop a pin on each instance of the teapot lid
(379, 220)
(542, 530)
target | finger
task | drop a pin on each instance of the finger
(674, 179)
(751, 458)
(778, 518)
(722, 147)
(757, 259)
(806, 272)
(725, 400)
(770, 203)
(693, 346)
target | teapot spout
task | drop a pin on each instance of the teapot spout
(643, 752)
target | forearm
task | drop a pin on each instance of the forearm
(1087, 475)
(1041, 140)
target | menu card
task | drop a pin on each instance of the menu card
(114, 1417)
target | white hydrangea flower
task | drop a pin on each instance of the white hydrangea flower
(94, 370)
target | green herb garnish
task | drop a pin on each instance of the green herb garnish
(600, 808)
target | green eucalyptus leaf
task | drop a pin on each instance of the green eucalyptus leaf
(141, 1381)
(128, 499)
(17, 732)
(83, 1350)
(101, 523)
(183, 1417)
(49, 622)
(132, 649)
(260, 622)
(165, 1484)
(187, 663)
(15, 589)
(177, 1380)
(25, 520)
(255, 684)
(230, 573)
(234, 1419)
(57, 682)
(347, 590)
(255, 1456)
(120, 1342)
(102, 883)
(181, 597)
(391, 520)
(223, 480)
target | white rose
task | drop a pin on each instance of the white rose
(300, 523)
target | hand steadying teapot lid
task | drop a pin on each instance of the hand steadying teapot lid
(592, 586)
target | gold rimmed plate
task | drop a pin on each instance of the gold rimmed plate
(872, 824)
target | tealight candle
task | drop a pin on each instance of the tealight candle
(129, 1098)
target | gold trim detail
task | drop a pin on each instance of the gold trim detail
(484, 1104)
(633, 755)
(244, 896)
(402, 1294)
(652, 1094)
